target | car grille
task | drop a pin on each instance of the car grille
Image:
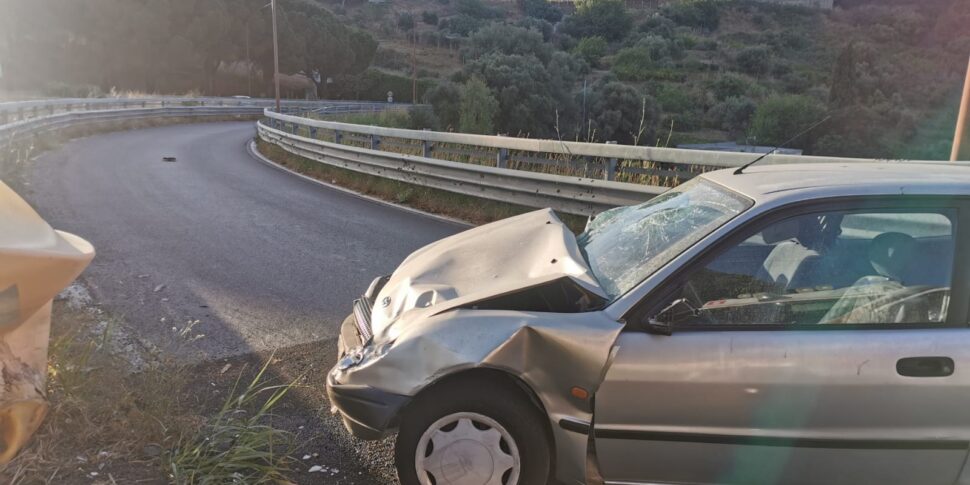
(362, 312)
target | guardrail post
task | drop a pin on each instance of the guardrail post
(375, 142)
(610, 170)
(426, 149)
(313, 132)
(337, 136)
(502, 160)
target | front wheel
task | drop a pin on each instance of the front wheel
(472, 433)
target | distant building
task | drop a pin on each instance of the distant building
(730, 146)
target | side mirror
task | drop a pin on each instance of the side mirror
(662, 322)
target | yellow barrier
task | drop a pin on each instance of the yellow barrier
(36, 263)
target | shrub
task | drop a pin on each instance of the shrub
(541, 9)
(591, 49)
(478, 108)
(754, 60)
(633, 64)
(539, 25)
(733, 114)
(478, 9)
(705, 14)
(463, 25)
(729, 85)
(405, 21)
(782, 117)
(429, 18)
(445, 98)
(606, 18)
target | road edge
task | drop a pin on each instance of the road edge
(254, 152)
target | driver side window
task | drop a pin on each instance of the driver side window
(838, 267)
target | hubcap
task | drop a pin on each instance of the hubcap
(467, 449)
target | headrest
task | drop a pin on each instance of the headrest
(781, 231)
(891, 253)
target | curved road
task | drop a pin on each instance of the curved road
(261, 258)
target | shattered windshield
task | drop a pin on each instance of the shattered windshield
(625, 245)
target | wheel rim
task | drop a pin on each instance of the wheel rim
(467, 449)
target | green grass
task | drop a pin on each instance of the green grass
(239, 444)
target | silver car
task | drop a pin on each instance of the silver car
(786, 324)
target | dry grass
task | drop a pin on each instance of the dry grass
(112, 423)
(471, 209)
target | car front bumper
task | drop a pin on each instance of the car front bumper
(368, 413)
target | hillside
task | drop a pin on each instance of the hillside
(885, 72)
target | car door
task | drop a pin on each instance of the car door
(845, 361)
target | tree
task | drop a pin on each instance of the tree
(781, 117)
(733, 114)
(618, 112)
(429, 18)
(478, 108)
(445, 99)
(606, 18)
(591, 48)
(705, 14)
(755, 61)
(540, 9)
(509, 40)
(405, 22)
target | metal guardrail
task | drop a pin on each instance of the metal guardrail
(21, 110)
(574, 177)
(574, 195)
(30, 118)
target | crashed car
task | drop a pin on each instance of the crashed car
(782, 324)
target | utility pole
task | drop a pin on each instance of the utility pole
(961, 137)
(276, 57)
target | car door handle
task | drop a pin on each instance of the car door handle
(925, 366)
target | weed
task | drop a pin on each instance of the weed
(237, 445)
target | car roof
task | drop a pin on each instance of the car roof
(762, 182)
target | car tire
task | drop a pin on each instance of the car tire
(491, 405)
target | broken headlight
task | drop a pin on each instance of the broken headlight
(358, 356)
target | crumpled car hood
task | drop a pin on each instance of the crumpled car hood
(490, 260)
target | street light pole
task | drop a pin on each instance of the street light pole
(961, 137)
(276, 58)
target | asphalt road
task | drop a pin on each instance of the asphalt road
(261, 258)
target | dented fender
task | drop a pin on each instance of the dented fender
(551, 352)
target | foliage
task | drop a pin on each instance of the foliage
(755, 60)
(509, 40)
(478, 9)
(732, 115)
(422, 118)
(168, 47)
(463, 25)
(591, 49)
(647, 58)
(429, 18)
(729, 85)
(538, 25)
(405, 21)
(374, 84)
(704, 14)
(540, 9)
(478, 108)
(531, 95)
(781, 117)
(445, 98)
(609, 19)
(618, 112)
(237, 445)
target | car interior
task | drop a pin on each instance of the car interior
(848, 268)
